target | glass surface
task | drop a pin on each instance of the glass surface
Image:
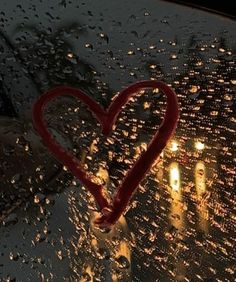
(180, 225)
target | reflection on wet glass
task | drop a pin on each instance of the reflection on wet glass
(180, 225)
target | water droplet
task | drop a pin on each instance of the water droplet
(11, 219)
(39, 198)
(103, 253)
(89, 46)
(123, 262)
(130, 52)
(194, 89)
(221, 50)
(16, 178)
(60, 255)
(14, 256)
(173, 56)
(152, 66)
(104, 36)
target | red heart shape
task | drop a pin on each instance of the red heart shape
(110, 212)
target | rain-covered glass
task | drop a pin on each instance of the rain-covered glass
(180, 225)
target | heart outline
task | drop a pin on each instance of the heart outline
(110, 212)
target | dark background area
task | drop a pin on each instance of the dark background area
(227, 8)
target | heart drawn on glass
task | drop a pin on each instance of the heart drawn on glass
(111, 210)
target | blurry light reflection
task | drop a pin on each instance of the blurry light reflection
(94, 246)
(176, 212)
(202, 195)
(199, 145)
(174, 176)
(200, 178)
(174, 146)
(176, 217)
